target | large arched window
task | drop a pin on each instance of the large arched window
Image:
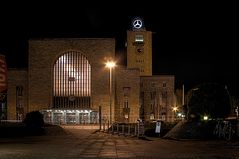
(72, 81)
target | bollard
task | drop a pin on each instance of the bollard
(135, 130)
(100, 120)
(129, 129)
(120, 129)
(104, 126)
(238, 127)
(112, 128)
(117, 129)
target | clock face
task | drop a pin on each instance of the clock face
(139, 50)
(137, 23)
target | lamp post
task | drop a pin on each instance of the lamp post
(110, 65)
(175, 109)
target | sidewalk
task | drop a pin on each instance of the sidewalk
(82, 143)
(154, 147)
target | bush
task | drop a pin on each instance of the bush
(34, 119)
(8, 129)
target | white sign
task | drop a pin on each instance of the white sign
(158, 127)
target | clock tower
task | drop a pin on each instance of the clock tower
(139, 47)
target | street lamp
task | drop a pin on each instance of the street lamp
(175, 109)
(110, 65)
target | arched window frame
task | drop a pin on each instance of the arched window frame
(72, 81)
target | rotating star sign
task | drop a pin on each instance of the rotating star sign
(137, 23)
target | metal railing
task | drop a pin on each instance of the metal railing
(125, 129)
(10, 121)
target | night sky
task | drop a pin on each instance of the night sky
(195, 42)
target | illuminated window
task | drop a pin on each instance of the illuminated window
(139, 38)
(19, 90)
(72, 81)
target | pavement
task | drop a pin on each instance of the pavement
(83, 143)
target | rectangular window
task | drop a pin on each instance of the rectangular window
(164, 84)
(153, 95)
(19, 103)
(164, 94)
(139, 38)
(152, 107)
(19, 90)
(153, 84)
(126, 103)
(126, 91)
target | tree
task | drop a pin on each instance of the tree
(209, 99)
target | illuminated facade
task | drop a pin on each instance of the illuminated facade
(72, 81)
(139, 51)
(156, 91)
(67, 81)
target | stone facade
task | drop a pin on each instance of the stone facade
(139, 54)
(157, 97)
(156, 91)
(37, 81)
(135, 92)
(127, 99)
(17, 78)
(44, 53)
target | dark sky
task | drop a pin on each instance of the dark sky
(196, 42)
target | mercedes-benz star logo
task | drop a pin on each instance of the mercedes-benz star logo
(137, 24)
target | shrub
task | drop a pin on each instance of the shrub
(34, 119)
